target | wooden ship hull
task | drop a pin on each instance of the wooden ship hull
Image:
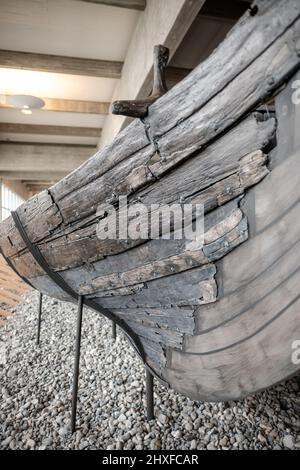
(218, 322)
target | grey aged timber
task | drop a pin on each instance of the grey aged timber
(136, 108)
(216, 323)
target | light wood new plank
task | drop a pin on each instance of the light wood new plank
(4, 313)
(7, 299)
(9, 294)
(12, 285)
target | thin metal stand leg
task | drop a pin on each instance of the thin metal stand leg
(39, 319)
(76, 363)
(149, 396)
(113, 330)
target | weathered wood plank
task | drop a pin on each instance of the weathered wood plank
(188, 259)
(273, 51)
(233, 345)
(251, 132)
(247, 90)
(247, 41)
(162, 336)
(39, 217)
(67, 251)
(155, 270)
(257, 84)
(178, 319)
(134, 168)
(216, 225)
(222, 246)
(155, 354)
(137, 171)
(189, 288)
(220, 160)
(163, 22)
(149, 252)
(133, 139)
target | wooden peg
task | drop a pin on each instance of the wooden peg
(139, 108)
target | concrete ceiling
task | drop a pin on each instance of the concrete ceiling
(67, 28)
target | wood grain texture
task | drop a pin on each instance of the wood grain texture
(60, 64)
(8, 127)
(250, 331)
(221, 159)
(216, 322)
(4, 313)
(246, 42)
(163, 22)
(11, 290)
(68, 106)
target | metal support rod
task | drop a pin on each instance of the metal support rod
(149, 395)
(76, 363)
(39, 319)
(113, 330)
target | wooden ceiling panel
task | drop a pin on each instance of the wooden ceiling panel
(41, 117)
(10, 128)
(69, 106)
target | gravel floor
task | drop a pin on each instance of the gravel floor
(35, 386)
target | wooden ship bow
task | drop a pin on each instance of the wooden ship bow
(217, 321)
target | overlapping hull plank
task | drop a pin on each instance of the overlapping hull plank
(215, 322)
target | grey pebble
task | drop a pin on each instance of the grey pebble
(35, 405)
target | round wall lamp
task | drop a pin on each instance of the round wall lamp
(26, 102)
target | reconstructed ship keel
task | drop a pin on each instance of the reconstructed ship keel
(218, 322)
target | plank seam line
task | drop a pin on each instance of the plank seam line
(196, 110)
(57, 279)
(255, 333)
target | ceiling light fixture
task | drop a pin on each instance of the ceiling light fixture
(26, 102)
